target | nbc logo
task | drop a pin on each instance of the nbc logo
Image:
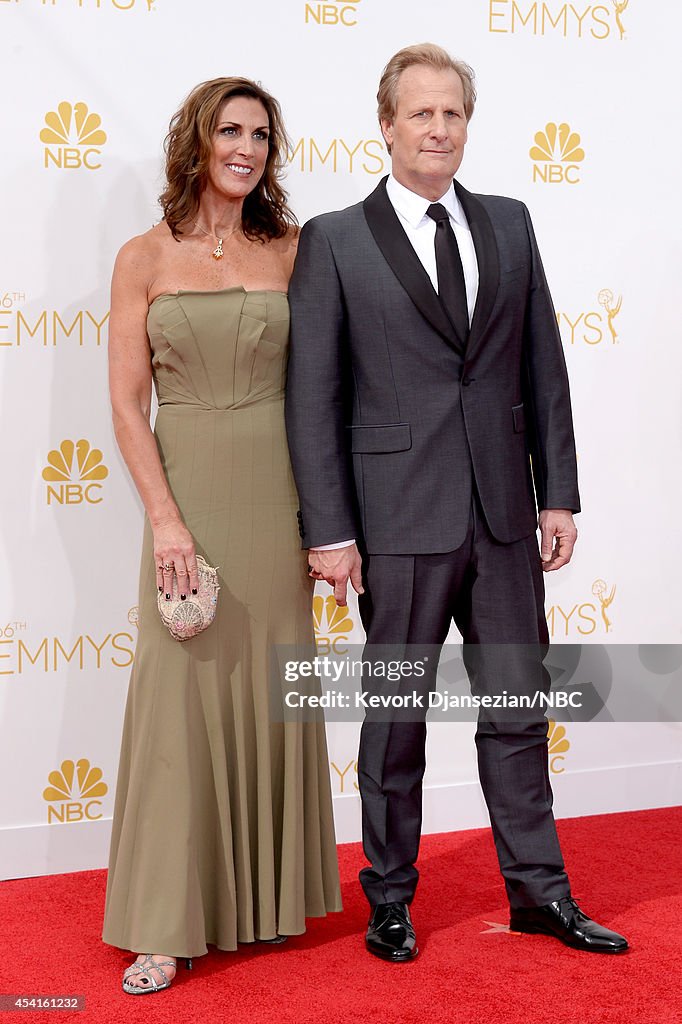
(558, 745)
(332, 625)
(72, 792)
(69, 483)
(339, 12)
(72, 137)
(556, 154)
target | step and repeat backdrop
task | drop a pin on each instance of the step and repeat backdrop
(576, 116)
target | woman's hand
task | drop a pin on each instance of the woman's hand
(174, 553)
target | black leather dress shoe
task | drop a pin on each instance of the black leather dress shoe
(565, 921)
(390, 934)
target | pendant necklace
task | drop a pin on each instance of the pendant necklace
(217, 253)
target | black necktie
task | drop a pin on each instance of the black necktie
(451, 286)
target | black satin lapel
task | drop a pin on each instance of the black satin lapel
(488, 259)
(383, 222)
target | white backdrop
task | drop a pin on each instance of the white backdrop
(88, 88)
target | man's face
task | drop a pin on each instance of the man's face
(429, 131)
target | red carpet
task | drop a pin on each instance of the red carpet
(626, 869)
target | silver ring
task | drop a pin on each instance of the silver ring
(167, 566)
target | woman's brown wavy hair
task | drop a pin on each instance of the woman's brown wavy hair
(188, 145)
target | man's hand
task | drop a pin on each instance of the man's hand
(337, 567)
(557, 537)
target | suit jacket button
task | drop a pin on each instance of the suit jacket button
(466, 381)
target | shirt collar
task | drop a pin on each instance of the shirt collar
(413, 207)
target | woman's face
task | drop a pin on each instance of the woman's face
(240, 147)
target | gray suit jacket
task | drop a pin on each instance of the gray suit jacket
(392, 418)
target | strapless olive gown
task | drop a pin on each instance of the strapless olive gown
(223, 828)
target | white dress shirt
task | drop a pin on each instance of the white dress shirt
(421, 231)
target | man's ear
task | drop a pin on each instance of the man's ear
(387, 132)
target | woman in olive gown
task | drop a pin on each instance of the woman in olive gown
(223, 828)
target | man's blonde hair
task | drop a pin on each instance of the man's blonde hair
(429, 55)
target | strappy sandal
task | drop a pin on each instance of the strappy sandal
(145, 968)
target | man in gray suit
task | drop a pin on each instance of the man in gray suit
(426, 372)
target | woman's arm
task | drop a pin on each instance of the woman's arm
(130, 384)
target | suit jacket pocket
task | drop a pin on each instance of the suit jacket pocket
(380, 438)
(519, 418)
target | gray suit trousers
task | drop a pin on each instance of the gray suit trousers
(495, 594)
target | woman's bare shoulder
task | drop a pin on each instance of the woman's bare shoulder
(286, 242)
(292, 236)
(145, 247)
(141, 255)
(285, 248)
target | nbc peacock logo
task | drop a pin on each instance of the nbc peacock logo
(74, 791)
(558, 745)
(557, 154)
(73, 474)
(332, 625)
(73, 137)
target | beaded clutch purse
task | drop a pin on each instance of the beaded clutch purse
(184, 619)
